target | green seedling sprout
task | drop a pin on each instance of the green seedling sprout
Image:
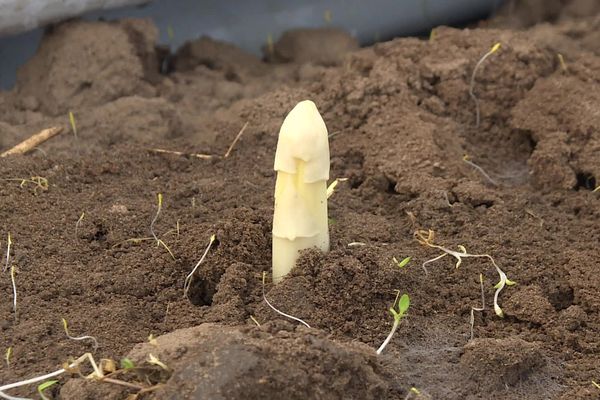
(159, 197)
(398, 314)
(563, 64)
(447, 199)
(432, 35)
(155, 361)
(415, 393)
(480, 309)
(188, 279)
(472, 83)
(270, 45)
(426, 238)
(8, 356)
(8, 246)
(86, 337)
(467, 160)
(276, 310)
(159, 242)
(332, 186)
(81, 217)
(126, 363)
(152, 340)
(302, 164)
(43, 386)
(401, 264)
(73, 123)
(170, 32)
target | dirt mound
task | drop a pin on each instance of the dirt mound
(256, 363)
(82, 64)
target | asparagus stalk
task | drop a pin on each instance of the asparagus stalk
(302, 165)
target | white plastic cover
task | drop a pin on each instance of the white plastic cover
(22, 15)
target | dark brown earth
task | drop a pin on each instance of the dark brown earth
(401, 121)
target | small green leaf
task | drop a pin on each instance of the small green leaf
(510, 283)
(403, 304)
(126, 363)
(45, 385)
(402, 264)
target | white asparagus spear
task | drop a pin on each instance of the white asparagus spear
(302, 165)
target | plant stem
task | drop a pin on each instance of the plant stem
(389, 337)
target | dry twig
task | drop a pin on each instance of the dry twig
(33, 141)
(180, 153)
(235, 140)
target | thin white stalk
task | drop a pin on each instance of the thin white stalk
(188, 279)
(355, 244)
(481, 171)
(159, 196)
(6, 265)
(430, 261)
(278, 311)
(56, 373)
(389, 337)
(14, 287)
(79, 338)
(81, 217)
(481, 309)
(472, 83)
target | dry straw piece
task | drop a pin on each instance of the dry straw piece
(33, 141)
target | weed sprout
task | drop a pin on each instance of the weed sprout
(398, 312)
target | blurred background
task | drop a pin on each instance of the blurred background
(250, 25)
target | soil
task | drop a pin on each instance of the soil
(401, 120)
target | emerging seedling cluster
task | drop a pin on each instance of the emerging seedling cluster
(426, 238)
(154, 237)
(105, 371)
(38, 182)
